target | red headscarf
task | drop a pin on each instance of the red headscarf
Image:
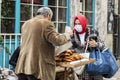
(83, 22)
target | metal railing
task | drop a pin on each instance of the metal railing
(8, 43)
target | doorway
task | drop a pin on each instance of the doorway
(116, 36)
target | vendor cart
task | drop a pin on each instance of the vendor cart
(65, 70)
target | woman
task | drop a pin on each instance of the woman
(85, 39)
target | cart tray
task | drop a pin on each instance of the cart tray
(76, 63)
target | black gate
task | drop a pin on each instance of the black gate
(116, 36)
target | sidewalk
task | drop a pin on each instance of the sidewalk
(116, 76)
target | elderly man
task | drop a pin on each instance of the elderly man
(37, 55)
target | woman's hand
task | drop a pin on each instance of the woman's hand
(92, 43)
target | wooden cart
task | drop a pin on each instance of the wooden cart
(65, 71)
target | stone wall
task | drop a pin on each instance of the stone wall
(116, 6)
(74, 10)
(101, 22)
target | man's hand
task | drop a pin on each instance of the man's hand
(92, 43)
(68, 30)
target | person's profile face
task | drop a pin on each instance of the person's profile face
(49, 17)
(77, 22)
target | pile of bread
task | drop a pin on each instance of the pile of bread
(68, 56)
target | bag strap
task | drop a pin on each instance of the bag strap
(76, 38)
(87, 40)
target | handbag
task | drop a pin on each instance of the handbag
(112, 64)
(105, 64)
(14, 57)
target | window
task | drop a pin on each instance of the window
(7, 16)
(29, 8)
(87, 10)
(59, 14)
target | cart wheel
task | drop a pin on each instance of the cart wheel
(70, 74)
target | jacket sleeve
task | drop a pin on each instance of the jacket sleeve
(96, 37)
(74, 44)
(100, 44)
(54, 37)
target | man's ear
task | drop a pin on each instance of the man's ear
(49, 16)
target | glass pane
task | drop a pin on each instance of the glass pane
(35, 8)
(55, 24)
(81, 0)
(54, 13)
(21, 23)
(62, 14)
(81, 12)
(61, 27)
(25, 12)
(89, 17)
(34, 1)
(8, 8)
(38, 2)
(52, 2)
(26, 1)
(62, 2)
(7, 25)
(88, 5)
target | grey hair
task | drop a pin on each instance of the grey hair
(45, 11)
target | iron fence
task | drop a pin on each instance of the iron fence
(8, 43)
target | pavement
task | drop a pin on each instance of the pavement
(117, 75)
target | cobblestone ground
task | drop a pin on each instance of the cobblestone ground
(117, 75)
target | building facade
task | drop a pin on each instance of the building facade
(13, 13)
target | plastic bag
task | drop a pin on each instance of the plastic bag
(79, 70)
(105, 64)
